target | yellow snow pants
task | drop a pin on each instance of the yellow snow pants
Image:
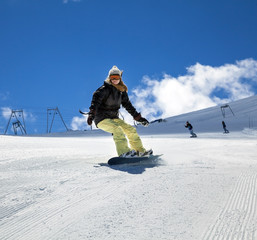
(120, 129)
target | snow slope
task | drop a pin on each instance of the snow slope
(239, 115)
(58, 187)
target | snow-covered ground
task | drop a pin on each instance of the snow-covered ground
(60, 187)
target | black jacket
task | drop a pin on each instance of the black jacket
(106, 103)
(189, 126)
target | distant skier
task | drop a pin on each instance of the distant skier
(190, 128)
(224, 127)
(104, 110)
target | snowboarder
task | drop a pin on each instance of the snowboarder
(224, 127)
(104, 111)
(190, 128)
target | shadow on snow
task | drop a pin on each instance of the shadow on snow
(136, 168)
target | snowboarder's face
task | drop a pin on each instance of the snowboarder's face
(115, 79)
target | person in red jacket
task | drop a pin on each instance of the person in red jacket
(104, 111)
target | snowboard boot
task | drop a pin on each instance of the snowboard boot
(145, 154)
(129, 154)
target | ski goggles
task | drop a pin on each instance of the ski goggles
(115, 77)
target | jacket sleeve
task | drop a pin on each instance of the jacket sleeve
(98, 96)
(125, 102)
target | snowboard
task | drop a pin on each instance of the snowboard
(123, 160)
(195, 136)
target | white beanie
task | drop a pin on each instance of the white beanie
(115, 71)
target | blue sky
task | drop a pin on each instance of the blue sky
(177, 56)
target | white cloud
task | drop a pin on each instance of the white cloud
(200, 88)
(28, 116)
(80, 123)
(66, 1)
(6, 112)
(4, 96)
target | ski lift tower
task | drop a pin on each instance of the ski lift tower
(18, 123)
(222, 108)
(53, 111)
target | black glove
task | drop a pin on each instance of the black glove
(142, 120)
(91, 116)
